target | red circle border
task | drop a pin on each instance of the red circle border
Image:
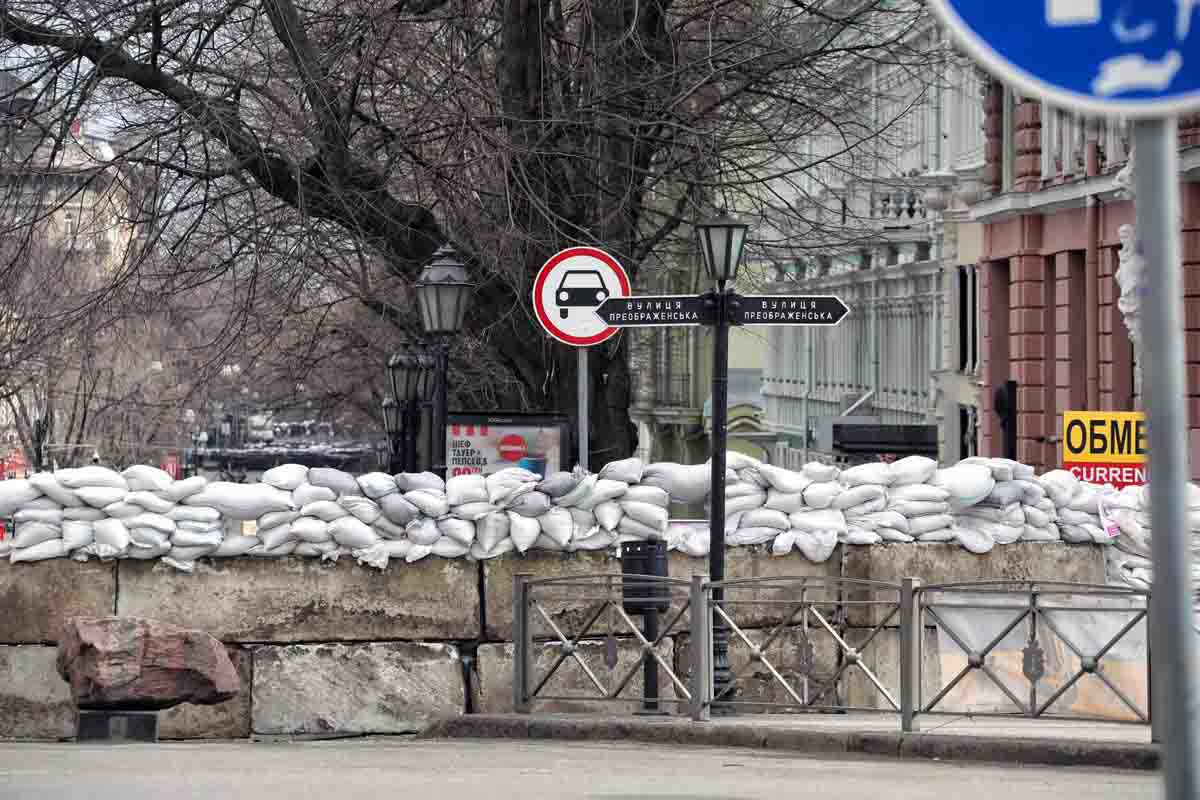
(540, 281)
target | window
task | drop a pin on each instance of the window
(967, 315)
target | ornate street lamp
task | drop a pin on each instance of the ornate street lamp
(721, 242)
(393, 427)
(442, 291)
(404, 374)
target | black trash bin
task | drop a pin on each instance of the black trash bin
(648, 599)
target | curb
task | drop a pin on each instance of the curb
(945, 747)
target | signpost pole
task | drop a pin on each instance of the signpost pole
(584, 388)
(1174, 646)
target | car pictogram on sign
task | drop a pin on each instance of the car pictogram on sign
(580, 288)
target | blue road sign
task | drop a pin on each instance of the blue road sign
(1139, 58)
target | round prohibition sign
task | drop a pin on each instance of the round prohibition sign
(569, 288)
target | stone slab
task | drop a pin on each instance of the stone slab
(38, 597)
(882, 657)
(35, 703)
(495, 665)
(373, 688)
(228, 720)
(569, 612)
(272, 600)
(949, 563)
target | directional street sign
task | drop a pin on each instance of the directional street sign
(655, 311)
(1095, 56)
(818, 309)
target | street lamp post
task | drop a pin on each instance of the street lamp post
(442, 291)
(426, 383)
(405, 375)
(393, 414)
(721, 242)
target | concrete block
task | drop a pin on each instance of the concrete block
(950, 563)
(882, 657)
(39, 597)
(382, 687)
(300, 599)
(562, 605)
(228, 720)
(35, 703)
(569, 680)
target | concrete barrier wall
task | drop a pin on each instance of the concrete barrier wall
(339, 648)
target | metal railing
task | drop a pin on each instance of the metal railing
(828, 644)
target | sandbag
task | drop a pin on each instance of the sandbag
(1003, 494)
(306, 493)
(880, 519)
(460, 531)
(820, 473)
(277, 518)
(873, 474)
(893, 535)
(523, 531)
(946, 534)
(1061, 486)
(746, 537)
(858, 495)
(192, 525)
(583, 522)
(816, 545)
(94, 476)
(271, 537)
(652, 516)
(531, 504)
(50, 548)
(422, 481)
(783, 480)
(179, 491)
(481, 553)
(428, 502)
(288, 477)
(83, 514)
(242, 501)
(422, 531)
(99, 496)
(627, 470)
(150, 501)
(1047, 533)
(148, 520)
(311, 529)
(654, 495)
(603, 490)
(684, 483)
(324, 509)
(364, 508)
(1037, 517)
(112, 532)
(912, 470)
(859, 537)
(77, 534)
(917, 508)
(196, 539)
(631, 527)
(315, 549)
(558, 484)
(507, 485)
(967, 484)
(919, 526)
(50, 517)
(377, 484)
(818, 520)
(695, 541)
(145, 478)
(48, 485)
(544, 542)
(472, 512)
(34, 533)
(397, 509)
(973, 538)
(446, 547)
(193, 514)
(744, 503)
(342, 483)
(783, 501)
(1032, 492)
(285, 549)
(784, 543)
(463, 489)
(608, 514)
(765, 518)
(557, 525)
(390, 530)
(491, 530)
(918, 493)
(822, 494)
(352, 533)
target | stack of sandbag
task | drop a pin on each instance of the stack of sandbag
(1126, 518)
(1077, 506)
(863, 502)
(1000, 517)
(38, 533)
(823, 486)
(915, 509)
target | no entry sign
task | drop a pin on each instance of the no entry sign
(569, 288)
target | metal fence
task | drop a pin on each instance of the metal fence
(1035, 649)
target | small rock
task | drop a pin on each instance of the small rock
(130, 663)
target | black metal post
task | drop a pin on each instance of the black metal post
(722, 675)
(440, 413)
(650, 664)
(412, 427)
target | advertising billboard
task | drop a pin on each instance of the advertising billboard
(480, 444)
(1105, 447)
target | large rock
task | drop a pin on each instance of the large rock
(569, 680)
(35, 702)
(37, 597)
(301, 599)
(143, 664)
(228, 720)
(385, 687)
(567, 611)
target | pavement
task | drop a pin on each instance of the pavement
(356, 769)
(952, 738)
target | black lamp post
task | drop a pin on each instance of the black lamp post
(427, 367)
(442, 291)
(394, 428)
(721, 242)
(404, 373)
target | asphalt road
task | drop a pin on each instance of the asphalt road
(373, 768)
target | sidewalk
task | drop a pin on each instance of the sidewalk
(958, 738)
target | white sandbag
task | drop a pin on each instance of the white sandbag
(282, 551)
(377, 484)
(491, 530)
(507, 485)
(639, 531)
(428, 481)
(784, 543)
(1001, 468)
(558, 526)
(48, 485)
(999, 532)
(695, 542)
(472, 512)
(786, 502)
(765, 518)
(49, 516)
(112, 532)
(544, 542)
(428, 502)
(288, 477)
(463, 489)
(315, 549)
(531, 504)
(343, 483)
(859, 536)
(449, 548)
(145, 478)
(276, 518)
(627, 470)
(820, 473)
(651, 516)
(193, 525)
(182, 490)
(739, 461)
(50, 548)
(122, 510)
(947, 534)
(746, 537)
(918, 493)
(523, 531)
(912, 470)
(423, 531)
(1034, 533)
(743, 489)
(973, 538)
(822, 494)
(1072, 517)
(1037, 517)
(311, 530)
(42, 504)
(390, 530)
(352, 533)
(967, 484)
(880, 519)
(480, 553)
(306, 493)
(1032, 492)
(1060, 485)
(195, 539)
(603, 491)
(271, 537)
(858, 495)
(148, 520)
(79, 477)
(77, 534)
(1003, 494)
(242, 501)
(733, 521)
(608, 515)
(684, 483)
(397, 509)
(744, 503)
(364, 508)
(1011, 514)
(919, 526)
(783, 480)
(892, 535)
(583, 523)
(105, 552)
(193, 514)
(654, 495)
(828, 519)
(558, 484)
(916, 508)
(872, 506)
(324, 509)
(83, 514)
(1088, 499)
(100, 496)
(34, 533)
(459, 530)
(875, 473)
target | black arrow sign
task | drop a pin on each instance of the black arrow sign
(658, 310)
(782, 309)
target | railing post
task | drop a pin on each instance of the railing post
(701, 655)
(1156, 717)
(911, 630)
(522, 644)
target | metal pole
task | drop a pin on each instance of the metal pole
(440, 413)
(1157, 186)
(583, 389)
(522, 644)
(649, 663)
(412, 410)
(701, 628)
(910, 654)
(722, 683)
